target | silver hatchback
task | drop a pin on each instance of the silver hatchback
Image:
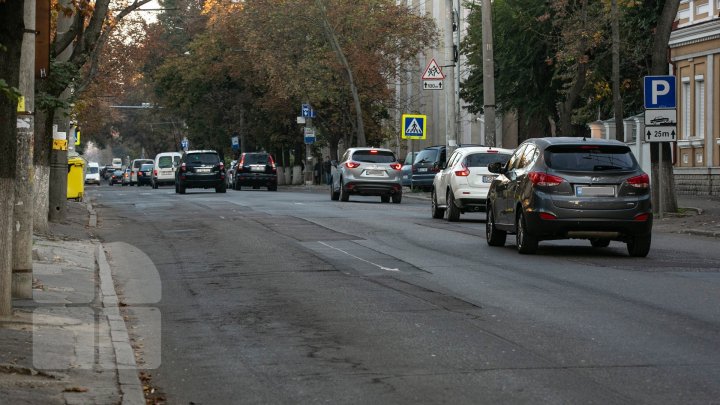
(570, 188)
(367, 171)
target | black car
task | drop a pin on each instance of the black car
(200, 169)
(570, 188)
(116, 177)
(144, 175)
(256, 169)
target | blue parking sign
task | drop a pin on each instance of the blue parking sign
(660, 92)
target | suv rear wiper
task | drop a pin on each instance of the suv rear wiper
(606, 167)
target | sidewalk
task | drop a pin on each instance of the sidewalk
(69, 344)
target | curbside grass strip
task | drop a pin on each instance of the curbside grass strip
(130, 385)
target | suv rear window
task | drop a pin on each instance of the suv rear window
(590, 158)
(380, 156)
(146, 166)
(483, 159)
(426, 156)
(202, 158)
(255, 159)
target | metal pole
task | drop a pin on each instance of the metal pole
(450, 138)
(488, 73)
(458, 110)
(661, 205)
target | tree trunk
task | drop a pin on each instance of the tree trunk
(41, 159)
(11, 36)
(660, 67)
(617, 97)
(566, 107)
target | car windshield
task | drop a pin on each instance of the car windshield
(426, 156)
(590, 158)
(409, 158)
(256, 159)
(165, 162)
(484, 159)
(93, 170)
(203, 159)
(146, 167)
(374, 156)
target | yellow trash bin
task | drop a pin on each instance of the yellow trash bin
(76, 178)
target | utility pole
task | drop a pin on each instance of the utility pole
(615, 51)
(456, 57)
(58, 154)
(450, 114)
(24, 201)
(488, 73)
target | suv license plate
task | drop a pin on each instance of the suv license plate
(592, 191)
(375, 172)
(257, 168)
(422, 169)
(488, 179)
(202, 170)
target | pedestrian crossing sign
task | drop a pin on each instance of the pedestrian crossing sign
(413, 126)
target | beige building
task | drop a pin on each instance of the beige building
(695, 57)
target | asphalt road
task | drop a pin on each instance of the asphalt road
(288, 297)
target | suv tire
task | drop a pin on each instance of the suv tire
(221, 188)
(453, 212)
(334, 195)
(344, 195)
(397, 197)
(495, 237)
(181, 188)
(385, 198)
(272, 188)
(526, 243)
(639, 245)
(437, 212)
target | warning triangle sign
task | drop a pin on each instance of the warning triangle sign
(414, 128)
(433, 72)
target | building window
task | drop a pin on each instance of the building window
(699, 107)
(698, 158)
(686, 106)
(686, 160)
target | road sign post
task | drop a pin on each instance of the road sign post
(660, 120)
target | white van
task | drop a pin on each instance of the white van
(165, 166)
(92, 173)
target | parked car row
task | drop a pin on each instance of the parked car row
(546, 189)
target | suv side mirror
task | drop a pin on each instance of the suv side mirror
(496, 167)
(333, 163)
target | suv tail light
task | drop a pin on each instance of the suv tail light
(183, 167)
(641, 181)
(271, 162)
(155, 172)
(544, 179)
(464, 172)
(396, 166)
(221, 166)
(352, 165)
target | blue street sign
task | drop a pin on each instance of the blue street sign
(660, 92)
(305, 110)
(309, 140)
(235, 142)
(414, 126)
(184, 144)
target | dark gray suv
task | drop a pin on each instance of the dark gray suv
(570, 188)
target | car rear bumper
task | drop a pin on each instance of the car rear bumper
(202, 180)
(255, 179)
(373, 188)
(583, 228)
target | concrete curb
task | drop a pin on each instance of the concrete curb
(130, 385)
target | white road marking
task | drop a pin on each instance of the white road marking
(222, 217)
(359, 258)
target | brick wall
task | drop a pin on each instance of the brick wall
(697, 181)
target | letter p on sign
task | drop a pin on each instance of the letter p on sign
(659, 92)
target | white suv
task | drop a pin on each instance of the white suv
(367, 171)
(463, 183)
